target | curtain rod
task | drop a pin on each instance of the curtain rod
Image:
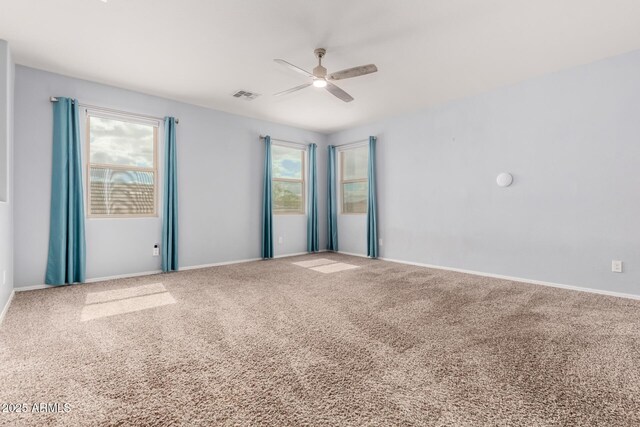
(353, 143)
(110, 110)
(288, 142)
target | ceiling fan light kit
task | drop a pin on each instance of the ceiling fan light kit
(321, 80)
(320, 83)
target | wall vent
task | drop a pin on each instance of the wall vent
(246, 95)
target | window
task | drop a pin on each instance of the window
(353, 180)
(122, 166)
(288, 179)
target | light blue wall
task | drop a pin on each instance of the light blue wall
(571, 140)
(6, 168)
(220, 168)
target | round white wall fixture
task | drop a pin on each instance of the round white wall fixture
(504, 179)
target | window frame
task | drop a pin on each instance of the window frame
(302, 180)
(124, 118)
(343, 181)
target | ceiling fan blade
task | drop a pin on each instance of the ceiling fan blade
(338, 93)
(293, 67)
(353, 72)
(293, 89)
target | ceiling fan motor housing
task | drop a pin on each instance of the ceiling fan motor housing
(320, 72)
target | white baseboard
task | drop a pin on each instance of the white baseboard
(418, 264)
(148, 273)
(299, 253)
(289, 255)
(218, 264)
(353, 254)
(92, 280)
(6, 306)
(122, 276)
(35, 287)
(517, 279)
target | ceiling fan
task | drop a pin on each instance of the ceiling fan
(321, 79)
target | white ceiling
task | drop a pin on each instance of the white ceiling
(427, 51)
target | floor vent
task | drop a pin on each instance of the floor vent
(246, 95)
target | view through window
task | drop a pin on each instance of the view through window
(353, 180)
(288, 179)
(122, 167)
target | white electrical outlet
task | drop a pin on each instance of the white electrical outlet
(279, 240)
(156, 250)
(616, 266)
(380, 242)
(4, 277)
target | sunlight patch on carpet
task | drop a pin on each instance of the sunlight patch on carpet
(314, 262)
(128, 305)
(124, 293)
(334, 268)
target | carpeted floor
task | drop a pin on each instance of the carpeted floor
(272, 343)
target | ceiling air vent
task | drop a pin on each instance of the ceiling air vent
(246, 95)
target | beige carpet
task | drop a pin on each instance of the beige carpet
(272, 343)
